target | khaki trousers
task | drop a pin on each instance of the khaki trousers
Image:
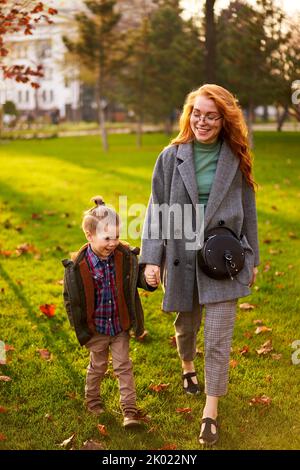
(99, 346)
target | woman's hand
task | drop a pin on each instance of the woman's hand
(152, 274)
(255, 271)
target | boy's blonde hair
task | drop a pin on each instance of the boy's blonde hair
(98, 218)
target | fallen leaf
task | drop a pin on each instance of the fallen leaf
(292, 235)
(246, 306)
(3, 409)
(183, 410)
(49, 213)
(199, 353)
(92, 445)
(68, 442)
(60, 283)
(279, 273)
(71, 395)
(172, 341)
(169, 447)
(48, 309)
(248, 335)
(267, 267)
(102, 429)
(2, 437)
(290, 266)
(159, 388)
(5, 378)
(35, 216)
(26, 248)
(262, 329)
(274, 208)
(263, 400)
(233, 363)
(265, 348)
(48, 417)
(274, 252)
(276, 357)
(268, 378)
(267, 240)
(244, 350)
(6, 253)
(9, 348)
(279, 286)
(45, 354)
(258, 322)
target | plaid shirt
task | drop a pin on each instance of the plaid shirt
(107, 319)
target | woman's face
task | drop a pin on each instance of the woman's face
(206, 121)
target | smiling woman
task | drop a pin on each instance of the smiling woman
(208, 163)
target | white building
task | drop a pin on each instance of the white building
(60, 87)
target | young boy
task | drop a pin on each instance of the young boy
(102, 302)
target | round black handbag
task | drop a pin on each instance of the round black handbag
(222, 255)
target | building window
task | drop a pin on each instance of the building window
(51, 96)
(27, 96)
(44, 95)
(20, 96)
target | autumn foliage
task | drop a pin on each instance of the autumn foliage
(21, 16)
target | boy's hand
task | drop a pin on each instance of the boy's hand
(152, 275)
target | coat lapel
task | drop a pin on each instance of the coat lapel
(225, 172)
(187, 170)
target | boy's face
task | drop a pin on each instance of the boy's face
(104, 242)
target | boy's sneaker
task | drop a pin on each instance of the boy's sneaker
(133, 418)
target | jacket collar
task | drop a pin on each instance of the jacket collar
(226, 169)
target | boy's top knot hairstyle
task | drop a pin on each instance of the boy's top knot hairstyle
(99, 217)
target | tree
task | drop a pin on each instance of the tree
(210, 42)
(99, 48)
(171, 66)
(21, 16)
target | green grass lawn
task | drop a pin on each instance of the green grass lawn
(43, 404)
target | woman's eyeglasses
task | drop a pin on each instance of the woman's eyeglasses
(209, 118)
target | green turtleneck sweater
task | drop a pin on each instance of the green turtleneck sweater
(206, 158)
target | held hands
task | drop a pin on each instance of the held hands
(255, 271)
(152, 275)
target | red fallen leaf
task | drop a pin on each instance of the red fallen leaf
(265, 348)
(248, 335)
(6, 253)
(3, 409)
(244, 350)
(262, 329)
(183, 410)
(159, 388)
(48, 417)
(172, 341)
(169, 447)
(48, 309)
(263, 400)
(2, 437)
(267, 240)
(233, 363)
(276, 357)
(246, 306)
(9, 348)
(5, 378)
(68, 442)
(102, 429)
(267, 267)
(45, 354)
(279, 286)
(143, 336)
(36, 216)
(258, 322)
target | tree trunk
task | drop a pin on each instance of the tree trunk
(210, 42)
(101, 114)
(266, 114)
(281, 118)
(139, 132)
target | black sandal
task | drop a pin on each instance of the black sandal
(206, 436)
(191, 388)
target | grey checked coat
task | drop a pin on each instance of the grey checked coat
(231, 201)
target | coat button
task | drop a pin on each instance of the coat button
(176, 262)
(221, 222)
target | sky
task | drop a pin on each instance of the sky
(290, 6)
